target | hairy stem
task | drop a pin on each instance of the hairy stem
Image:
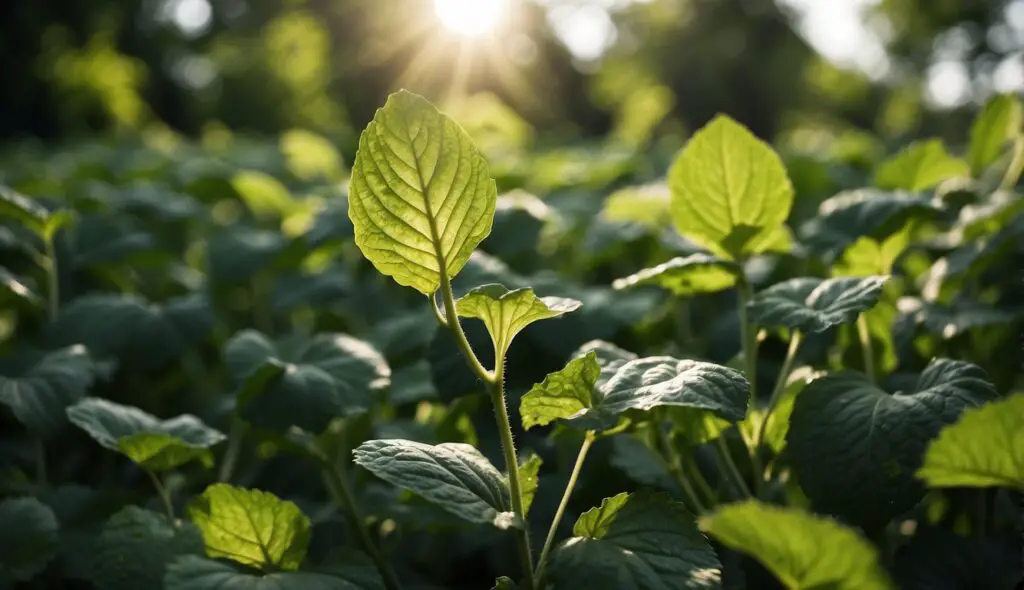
(780, 386)
(165, 497)
(865, 342)
(672, 460)
(336, 483)
(235, 437)
(542, 561)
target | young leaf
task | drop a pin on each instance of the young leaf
(421, 198)
(506, 313)
(23, 210)
(38, 387)
(997, 124)
(252, 527)
(855, 448)
(134, 547)
(815, 305)
(643, 540)
(684, 277)
(153, 444)
(800, 549)
(919, 166)
(304, 381)
(730, 192)
(195, 573)
(455, 476)
(563, 394)
(28, 538)
(528, 479)
(984, 448)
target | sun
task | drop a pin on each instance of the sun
(470, 18)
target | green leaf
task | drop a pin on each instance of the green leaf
(420, 195)
(528, 480)
(310, 156)
(563, 394)
(850, 215)
(304, 381)
(23, 210)
(455, 476)
(777, 428)
(994, 127)
(640, 462)
(815, 305)
(196, 573)
(685, 277)
(263, 194)
(921, 165)
(38, 387)
(644, 541)
(57, 221)
(984, 448)
(28, 538)
(646, 205)
(867, 256)
(730, 192)
(800, 549)
(251, 527)
(504, 583)
(505, 313)
(134, 547)
(153, 444)
(855, 448)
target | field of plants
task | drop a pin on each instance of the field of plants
(444, 364)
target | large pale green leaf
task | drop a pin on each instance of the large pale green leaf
(639, 541)
(919, 166)
(984, 448)
(855, 448)
(800, 549)
(563, 394)
(196, 573)
(421, 198)
(730, 192)
(995, 126)
(455, 476)
(304, 381)
(153, 444)
(28, 538)
(134, 547)
(38, 387)
(505, 313)
(815, 305)
(252, 527)
(685, 276)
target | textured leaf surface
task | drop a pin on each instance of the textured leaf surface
(640, 541)
(39, 394)
(421, 195)
(800, 549)
(730, 192)
(998, 123)
(984, 448)
(251, 527)
(815, 305)
(28, 538)
(855, 448)
(529, 480)
(685, 276)
(196, 573)
(134, 547)
(304, 381)
(151, 443)
(455, 476)
(919, 166)
(505, 313)
(563, 394)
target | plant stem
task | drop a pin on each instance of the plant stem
(780, 386)
(165, 497)
(40, 452)
(1012, 173)
(235, 437)
(748, 344)
(694, 474)
(451, 321)
(336, 482)
(52, 280)
(672, 460)
(730, 465)
(865, 343)
(588, 440)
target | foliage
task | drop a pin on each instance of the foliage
(411, 381)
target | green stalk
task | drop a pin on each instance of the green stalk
(702, 484)
(865, 342)
(165, 497)
(336, 483)
(780, 387)
(235, 437)
(730, 465)
(748, 337)
(588, 440)
(672, 461)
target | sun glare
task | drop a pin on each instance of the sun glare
(470, 18)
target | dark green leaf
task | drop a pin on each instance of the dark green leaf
(134, 547)
(28, 538)
(196, 573)
(38, 387)
(850, 215)
(815, 305)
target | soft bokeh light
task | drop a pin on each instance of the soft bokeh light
(471, 18)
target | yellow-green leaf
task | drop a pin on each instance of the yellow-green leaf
(919, 166)
(995, 126)
(696, 273)
(563, 394)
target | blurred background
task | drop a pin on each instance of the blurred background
(806, 74)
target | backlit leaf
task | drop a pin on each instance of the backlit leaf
(997, 124)
(919, 166)
(684, 277)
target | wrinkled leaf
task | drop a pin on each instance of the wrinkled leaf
(196, 573)
(851, 215)
(134, 547)
(815, 305)
(563, 394)
(46, 384)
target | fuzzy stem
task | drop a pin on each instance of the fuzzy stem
(780, 387)
(865, 342)
(542, 561)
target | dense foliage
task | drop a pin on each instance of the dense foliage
(249, 368)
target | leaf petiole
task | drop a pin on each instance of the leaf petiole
(588, 440)
(165, 496)
(672, 461)
(780, 386)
